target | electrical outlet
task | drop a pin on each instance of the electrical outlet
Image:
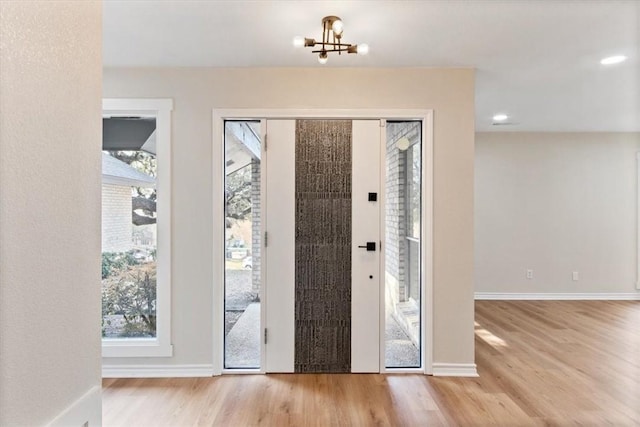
(575, 276)
(529, 274)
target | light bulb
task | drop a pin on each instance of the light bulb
(322, 58)
(500, 117)
(362, 49)
(337, 27)
(403, 143)
(298, 41)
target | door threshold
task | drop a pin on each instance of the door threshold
(242, 371)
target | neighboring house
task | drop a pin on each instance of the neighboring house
(117, 180)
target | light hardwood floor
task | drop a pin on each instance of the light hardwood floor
(540, 363)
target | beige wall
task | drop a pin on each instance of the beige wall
(556, 203)
(50, 132)
(196, 91)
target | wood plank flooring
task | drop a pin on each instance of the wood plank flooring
(540, 363)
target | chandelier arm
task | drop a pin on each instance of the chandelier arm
(325, 35)
(330, 50)
(337, 44)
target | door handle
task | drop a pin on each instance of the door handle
(370, 246)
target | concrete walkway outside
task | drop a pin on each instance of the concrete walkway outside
(243, 342)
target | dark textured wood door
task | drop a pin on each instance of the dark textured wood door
(323, 246)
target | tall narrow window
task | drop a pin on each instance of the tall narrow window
(129, 228)
(242, 245)
(136, 227)
(403, 344)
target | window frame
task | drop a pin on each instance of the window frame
(409, 217)
(160, 345)
(638, 222)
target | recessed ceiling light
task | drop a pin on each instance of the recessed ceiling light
(610, 60)
(500, 117)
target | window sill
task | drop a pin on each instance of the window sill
(135, 348)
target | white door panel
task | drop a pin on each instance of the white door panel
(365, 265)
(279, 255)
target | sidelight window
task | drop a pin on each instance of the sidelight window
(242, 245)
(403, 286)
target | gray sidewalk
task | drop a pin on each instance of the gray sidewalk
(243, 342)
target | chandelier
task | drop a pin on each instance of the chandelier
(332, 27)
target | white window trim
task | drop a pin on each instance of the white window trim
(426, 116)
(638, 222)
(160, 346)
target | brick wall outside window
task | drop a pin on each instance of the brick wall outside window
(116, 218)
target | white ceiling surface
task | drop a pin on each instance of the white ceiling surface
(537, 61)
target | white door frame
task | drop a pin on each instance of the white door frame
(426, 116)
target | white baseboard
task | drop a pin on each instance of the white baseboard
(87, 410)
(454, 370)
(558, 296)
(156, 371)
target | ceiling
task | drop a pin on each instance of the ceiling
(537, 61)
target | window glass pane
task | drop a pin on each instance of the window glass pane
(242, 245)
(129, 230)
(402, 244)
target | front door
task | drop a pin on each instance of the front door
(322, 245)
